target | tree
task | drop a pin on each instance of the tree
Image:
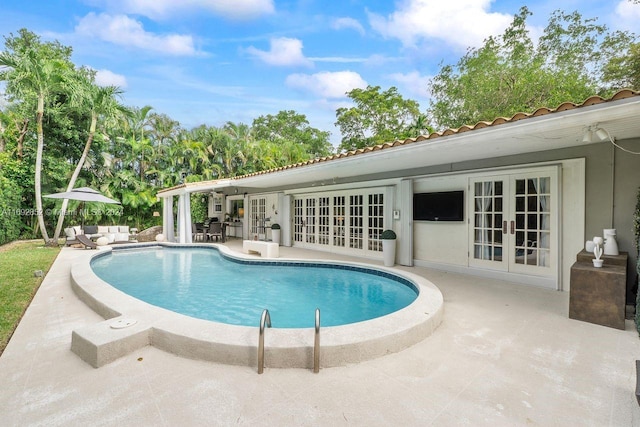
(377, 117)
(34, 71)
(140, 145)
(510, 73)
(102, 103)
(293, 127)
(624, 71)
(419, 127)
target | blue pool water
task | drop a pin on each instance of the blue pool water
(202, 283)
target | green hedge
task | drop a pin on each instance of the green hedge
(636, 232)
(10, 210)
(638, 296)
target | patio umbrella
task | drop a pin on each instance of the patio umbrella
(83, 194)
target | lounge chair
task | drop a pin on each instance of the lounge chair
(84, 240)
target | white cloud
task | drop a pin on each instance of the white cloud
(283, 52)
(327, 84)
(109, 78)
(124, 31)
(347, 23)
(627, 16)
(338, 59)
(164, 9)
(413, 82)
(461, 23)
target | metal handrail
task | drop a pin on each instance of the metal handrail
(316, 344)
(265, 318)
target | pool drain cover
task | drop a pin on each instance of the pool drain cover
(123, 323)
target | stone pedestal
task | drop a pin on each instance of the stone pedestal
(598, 294)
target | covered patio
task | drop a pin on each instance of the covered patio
(504, 355)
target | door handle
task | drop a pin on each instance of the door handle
(513, 227)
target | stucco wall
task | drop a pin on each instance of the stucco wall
(447, 244)
(610, 192)
(626, 183)
(441, 242)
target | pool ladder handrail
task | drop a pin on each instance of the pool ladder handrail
(265, 318)
(316, 344)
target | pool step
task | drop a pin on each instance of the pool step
(107, 341)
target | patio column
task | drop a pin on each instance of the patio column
(184, 218)
(168, 228)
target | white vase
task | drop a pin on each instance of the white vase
(275, 236)
(389, 252)
(610, 244)
(589, 246)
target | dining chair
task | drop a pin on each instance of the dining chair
(215, 230)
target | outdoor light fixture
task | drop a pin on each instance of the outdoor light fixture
(595, 133)
(602, 134)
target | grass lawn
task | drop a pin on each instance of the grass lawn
(18, 261)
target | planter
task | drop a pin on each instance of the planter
(389, 252)
(275, 236)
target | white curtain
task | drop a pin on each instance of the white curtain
(484, 206)
(544, 217)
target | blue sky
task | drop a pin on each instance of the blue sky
(212, 61)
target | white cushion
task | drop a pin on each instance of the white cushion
(121, 237)
(77, 229)
(113, 229)
(123, 228)
(111, 237)
(103, 229)
(70, 233)
(102, 241)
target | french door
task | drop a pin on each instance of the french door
(349, 220)
(513, 222)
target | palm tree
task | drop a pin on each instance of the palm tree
(103, 104)
(35, 70)
(137, 123)
(420, 126)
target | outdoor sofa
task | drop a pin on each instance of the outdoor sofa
(113, 233)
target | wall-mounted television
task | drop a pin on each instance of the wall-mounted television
(439, 206)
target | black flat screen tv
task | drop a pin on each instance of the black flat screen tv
(439, 206)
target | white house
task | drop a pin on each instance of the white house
(532, 189)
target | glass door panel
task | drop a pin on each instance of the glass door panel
(310, 220)
(298, 220)
(339, 221)
(488, 204)
(534, 205)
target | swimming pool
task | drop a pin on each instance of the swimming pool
(130, 323)
(201, 282)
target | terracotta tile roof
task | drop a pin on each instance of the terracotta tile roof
(565, 106)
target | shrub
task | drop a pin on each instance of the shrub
(636, 223)
(636, 232)
(199, 207)
(388, 235)
(638, 297)
(10, 209)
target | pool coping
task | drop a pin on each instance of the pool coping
(131, 324)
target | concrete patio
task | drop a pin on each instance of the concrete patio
(504, 355)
